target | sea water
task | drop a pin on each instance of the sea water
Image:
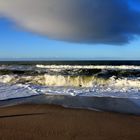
(111, 79)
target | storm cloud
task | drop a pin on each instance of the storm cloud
(84, 21)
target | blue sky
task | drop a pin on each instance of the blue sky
(16, 43)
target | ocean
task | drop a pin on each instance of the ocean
(77, 83)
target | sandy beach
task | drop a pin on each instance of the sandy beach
(48, 122)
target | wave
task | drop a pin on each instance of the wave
(123, 71)
(98, 78)
(68, 67)
(66, 75)
(72, 81)
(124, 67)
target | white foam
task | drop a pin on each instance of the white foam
(8, 91)
(59, 67)
(6, 78)
(16, 91)
(123, 67)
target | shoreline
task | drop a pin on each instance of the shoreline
(51, 122)
(108, 104)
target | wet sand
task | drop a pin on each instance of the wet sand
(48, 122)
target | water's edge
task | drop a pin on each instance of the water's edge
(118, 105)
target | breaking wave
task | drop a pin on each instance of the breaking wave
(71, 81)
(72, 76)
(74, 80)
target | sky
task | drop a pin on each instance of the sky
(69, 29)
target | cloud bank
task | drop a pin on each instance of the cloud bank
(87, 21)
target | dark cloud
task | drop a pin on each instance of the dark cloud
(87, 21)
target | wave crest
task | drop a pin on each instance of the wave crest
(74, 81)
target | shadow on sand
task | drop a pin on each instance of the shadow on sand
(21, 115)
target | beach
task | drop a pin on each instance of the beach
(50, 122)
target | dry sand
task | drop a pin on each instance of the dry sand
(47, 122)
